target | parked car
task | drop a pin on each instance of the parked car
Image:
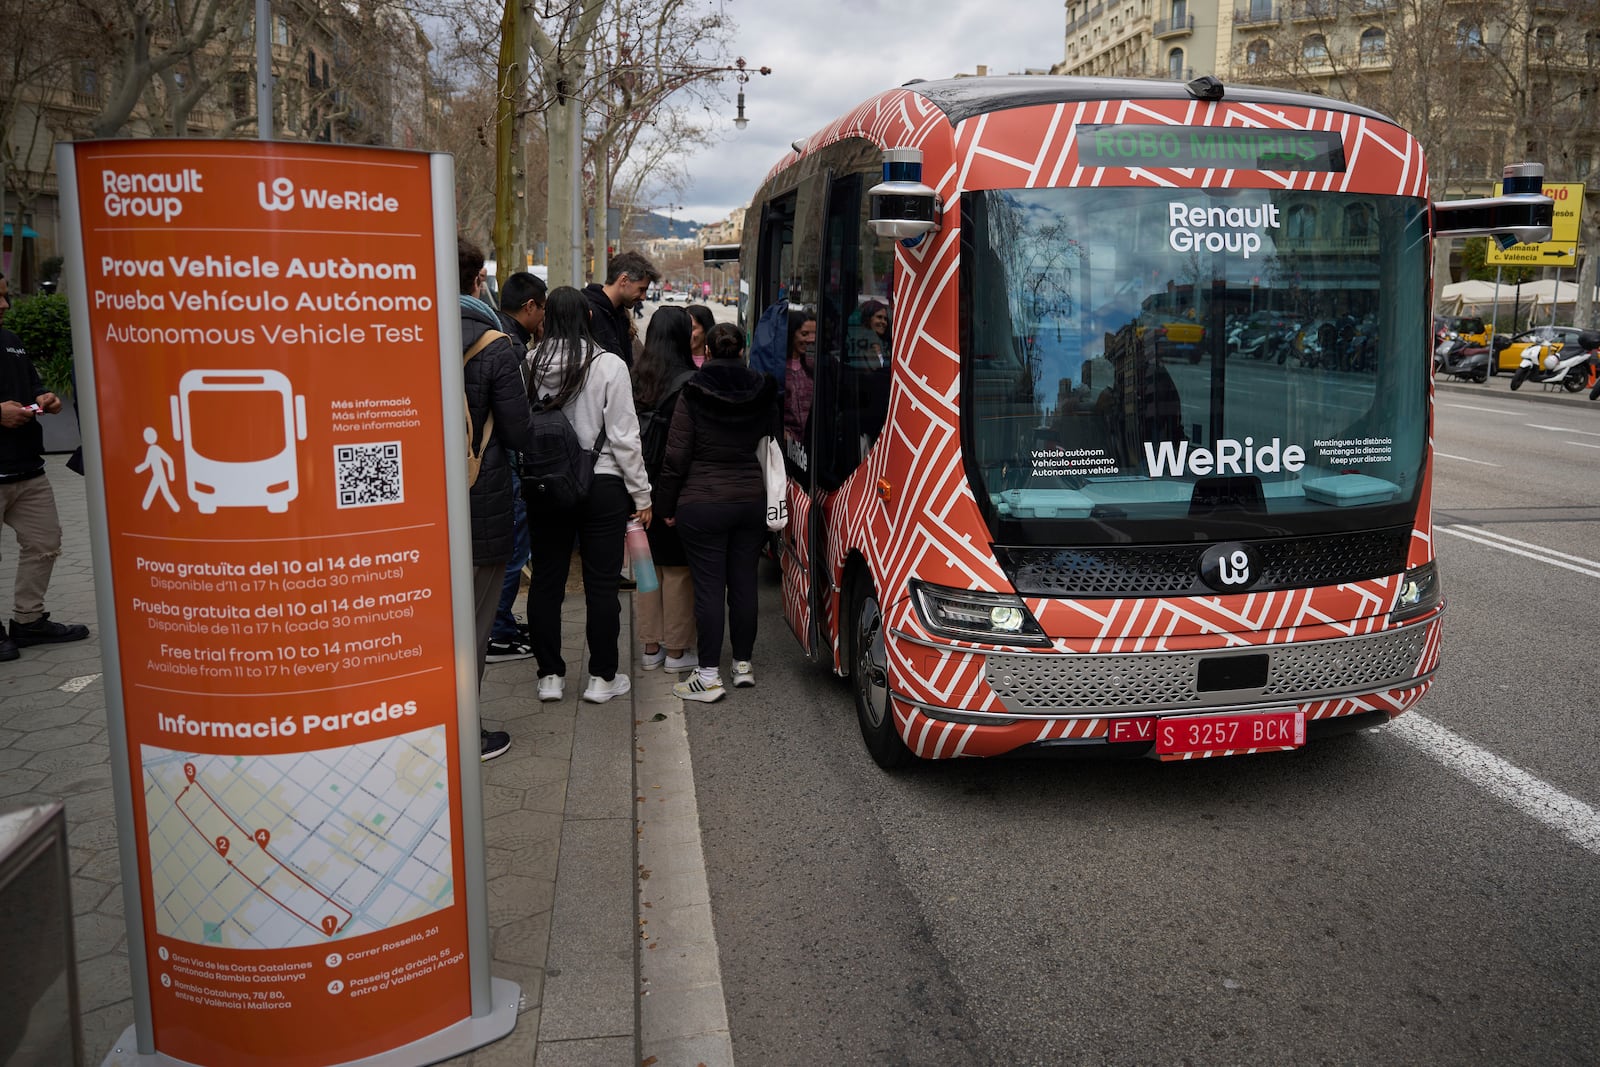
(1470, 328)
(675, 296)
(1508, 350)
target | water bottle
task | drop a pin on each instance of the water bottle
(644, 568)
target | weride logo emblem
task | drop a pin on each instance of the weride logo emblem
(1229, 568)
(282, 196)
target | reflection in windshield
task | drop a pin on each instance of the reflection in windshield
(1155, 354)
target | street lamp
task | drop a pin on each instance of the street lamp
(739, 121)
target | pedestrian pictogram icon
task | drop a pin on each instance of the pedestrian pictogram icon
(161, 468)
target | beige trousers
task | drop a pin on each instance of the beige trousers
(666, 616)
(29, 508)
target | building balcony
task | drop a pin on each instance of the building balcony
(1271, 15)
(1313, 10)
(1167, 28)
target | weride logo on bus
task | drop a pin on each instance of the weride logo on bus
(154, 195)
(281, 197)
(1176, 459)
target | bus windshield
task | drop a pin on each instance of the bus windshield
(1179, 364)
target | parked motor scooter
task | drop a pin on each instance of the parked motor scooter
(1574, 367)
(1461, 359)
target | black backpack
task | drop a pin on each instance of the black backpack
(556, 469)
(654, 422)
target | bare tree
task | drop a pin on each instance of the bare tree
(35, 73)
(144, 39)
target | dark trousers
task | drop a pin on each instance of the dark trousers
(598, 526)
(723, 543)
(505, 621)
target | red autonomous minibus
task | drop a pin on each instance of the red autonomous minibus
(1115, 434)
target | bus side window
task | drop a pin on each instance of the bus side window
(853, 336)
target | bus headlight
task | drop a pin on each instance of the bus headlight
(968, 615)
(1419, 593)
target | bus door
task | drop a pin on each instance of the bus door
(852, 368)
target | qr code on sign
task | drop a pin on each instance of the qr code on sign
(366, 475)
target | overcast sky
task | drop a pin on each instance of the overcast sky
(829, 55)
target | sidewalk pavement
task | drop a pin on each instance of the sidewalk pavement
(1499, 386)
(560, 822)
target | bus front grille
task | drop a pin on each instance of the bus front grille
(1091, 684)
(1174, 570)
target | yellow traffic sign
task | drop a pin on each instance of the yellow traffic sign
(1562, 248)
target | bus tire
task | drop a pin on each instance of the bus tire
(869, 679)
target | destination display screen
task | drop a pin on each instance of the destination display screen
(1146, 145)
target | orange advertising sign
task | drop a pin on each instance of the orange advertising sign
(265, 328)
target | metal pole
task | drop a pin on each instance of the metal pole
(264, 70)
(1494, 315)
(1556, 299)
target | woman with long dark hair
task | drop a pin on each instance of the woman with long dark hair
(712, 493)
(666, 615)
(591, 387)
(703, 321)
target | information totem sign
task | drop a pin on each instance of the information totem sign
(269, 363)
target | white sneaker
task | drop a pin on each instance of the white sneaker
(600, 690)
(697, 688)
(686, 662)
(652, 660)
(744, 675)
(551, 687)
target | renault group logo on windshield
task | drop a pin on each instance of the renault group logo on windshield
(1231, 567)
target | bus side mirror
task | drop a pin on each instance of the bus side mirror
(901, 205)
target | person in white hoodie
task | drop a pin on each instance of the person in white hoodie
(592, 388)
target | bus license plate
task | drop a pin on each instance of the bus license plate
(1204, 733)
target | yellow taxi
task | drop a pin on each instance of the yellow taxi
(1508, 350)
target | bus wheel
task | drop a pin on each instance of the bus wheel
(869, 680)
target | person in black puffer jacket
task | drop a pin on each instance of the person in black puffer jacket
(493, 382)
(712, 493)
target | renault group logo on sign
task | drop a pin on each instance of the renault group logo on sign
(1231, 567)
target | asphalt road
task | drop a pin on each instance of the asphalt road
(1359, 901)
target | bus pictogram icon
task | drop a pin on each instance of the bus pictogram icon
(239, 430)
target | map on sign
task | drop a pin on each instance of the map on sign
(279, 851)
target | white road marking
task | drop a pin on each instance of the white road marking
(1580, 444)
(1475, 407)
(1567, 815)
(78, 684)
(1464, 459)
(1561, 429)
(1504, 544)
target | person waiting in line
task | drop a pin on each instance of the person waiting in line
(493, 385)
(712, 493)
(703, 321)
(628, 278)
(591, 386)
(666, 615)
(798, 368)
(522, 319)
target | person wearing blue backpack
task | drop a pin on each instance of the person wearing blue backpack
(569, 373)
